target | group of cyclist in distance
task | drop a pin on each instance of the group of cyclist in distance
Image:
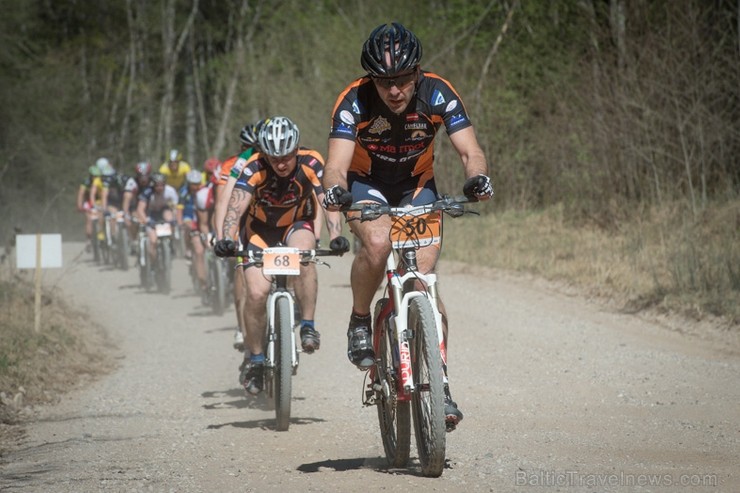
(276, 192)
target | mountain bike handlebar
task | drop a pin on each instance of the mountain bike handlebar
(256, 257)
(454, 206)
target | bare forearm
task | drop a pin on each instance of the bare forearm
(235, 208)
(334, 175)
(333, 223)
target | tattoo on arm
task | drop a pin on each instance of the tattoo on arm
(235, 208)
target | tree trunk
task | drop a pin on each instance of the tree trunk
(243, 40)
(172, 45)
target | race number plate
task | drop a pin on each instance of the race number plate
(416, 230)
(281, 261)
(163, 229)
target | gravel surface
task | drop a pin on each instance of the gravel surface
(559, 394)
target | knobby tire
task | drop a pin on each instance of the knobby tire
(164, 266)
(123, 247)
(428, 397)
(394, 416)
(283, 363)
(219, 286)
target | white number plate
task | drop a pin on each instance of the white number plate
(281, 261)
(163, 229)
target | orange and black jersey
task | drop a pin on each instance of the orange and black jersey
(393, 147)
(280, 202)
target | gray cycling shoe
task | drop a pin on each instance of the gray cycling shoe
(252, 376)
(360, 342)
(310, 339)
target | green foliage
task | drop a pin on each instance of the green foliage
(570, 109)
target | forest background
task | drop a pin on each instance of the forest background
(612, 127)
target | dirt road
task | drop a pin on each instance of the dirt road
(558, 395)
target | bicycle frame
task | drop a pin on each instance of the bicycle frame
(280, 290)
(281, 359)
(409, 377)
(400, 279)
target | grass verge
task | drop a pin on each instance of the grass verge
(37, 367)
(664, 259)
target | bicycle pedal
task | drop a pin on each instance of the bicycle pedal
(369, 398)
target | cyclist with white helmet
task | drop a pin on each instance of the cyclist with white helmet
(107, 193)
(275, 197)
(381, 149)
(187, 219)
(175, 169)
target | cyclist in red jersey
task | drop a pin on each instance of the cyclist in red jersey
(277, 194)
(381, 149)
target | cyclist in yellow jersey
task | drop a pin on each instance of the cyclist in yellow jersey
(175, 169)
(84, 204)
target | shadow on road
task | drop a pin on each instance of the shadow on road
(265, 424)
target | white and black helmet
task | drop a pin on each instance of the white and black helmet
(278, 136)
(248, 135)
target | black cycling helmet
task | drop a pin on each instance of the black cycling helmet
(248, 135)
(158, 178)
(405, 54)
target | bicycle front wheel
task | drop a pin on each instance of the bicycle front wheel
(283, 364)
(219, 284)
(123, 247)
(428, 397)
(393, 415)
(164, 266)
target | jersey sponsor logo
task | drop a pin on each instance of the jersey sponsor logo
(416, 126)
(238, 166)
(344, 129)
(406, 148)
(438, 98)
(457, 119)
(380, 125)
(347, 117)
(248, 172)
(356, 107)
(451, 106)
(418, 135)
(381, 148)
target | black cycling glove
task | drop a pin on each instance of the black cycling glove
(224, 248)
(339, 244)
(478, 187)
(337, 197)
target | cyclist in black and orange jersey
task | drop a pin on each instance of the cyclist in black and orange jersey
(277, 194)
(381, 149)
(230, 170)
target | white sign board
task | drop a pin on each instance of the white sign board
(51, 251)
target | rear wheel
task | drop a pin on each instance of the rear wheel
(283, 363)
(393, 415)
(428, 396)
